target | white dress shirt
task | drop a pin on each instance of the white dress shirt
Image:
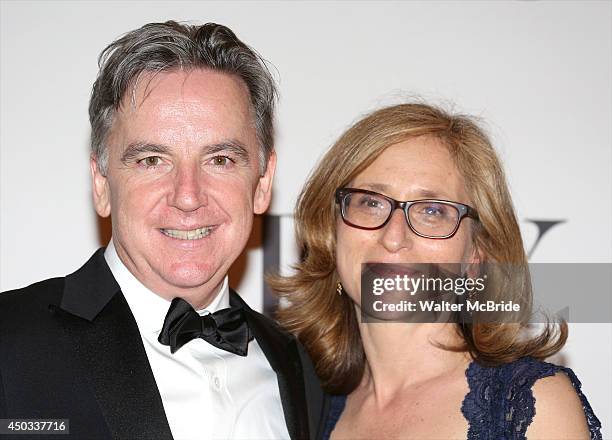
(207, 393)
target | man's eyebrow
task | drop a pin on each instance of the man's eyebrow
(231, 146)
(236, 148)
(136, 149)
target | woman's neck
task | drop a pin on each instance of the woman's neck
(401, 355)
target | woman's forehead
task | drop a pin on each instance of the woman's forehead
(420, 167)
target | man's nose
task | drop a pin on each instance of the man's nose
(396, 234)
(188, 188)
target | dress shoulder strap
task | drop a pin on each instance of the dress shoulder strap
(500, 402)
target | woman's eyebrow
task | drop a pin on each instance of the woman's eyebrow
(419, 192)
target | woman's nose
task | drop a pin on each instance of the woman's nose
(396, 234)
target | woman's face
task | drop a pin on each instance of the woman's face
(418, 168)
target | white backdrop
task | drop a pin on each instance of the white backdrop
(538, 72)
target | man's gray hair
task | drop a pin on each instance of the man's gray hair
(158, 47)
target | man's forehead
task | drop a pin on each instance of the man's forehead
(186, 85)
(196, 109)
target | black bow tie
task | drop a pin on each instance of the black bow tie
(226, 329)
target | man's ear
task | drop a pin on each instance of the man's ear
(263, 192)
(101, 191)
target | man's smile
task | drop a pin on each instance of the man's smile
(192, 234)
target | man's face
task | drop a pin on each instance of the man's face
(183, 181)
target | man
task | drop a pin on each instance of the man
(182, 157)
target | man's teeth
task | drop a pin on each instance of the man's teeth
(194, 234)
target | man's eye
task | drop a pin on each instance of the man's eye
(150, 161)
(221, 161)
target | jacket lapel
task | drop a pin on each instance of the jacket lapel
(281, 350)
(105, 336)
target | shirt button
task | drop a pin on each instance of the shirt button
(217, 382)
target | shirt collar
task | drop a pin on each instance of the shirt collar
(148, 308)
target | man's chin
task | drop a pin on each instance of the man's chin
(197, 290)
(190, 281)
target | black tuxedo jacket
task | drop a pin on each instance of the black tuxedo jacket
(70, 349)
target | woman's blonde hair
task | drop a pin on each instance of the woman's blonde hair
(326, 323)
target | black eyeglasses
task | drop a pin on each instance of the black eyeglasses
(365, 209)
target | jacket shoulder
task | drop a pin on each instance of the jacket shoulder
(16, 305)
(35, 292)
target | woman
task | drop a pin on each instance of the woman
(420, 380)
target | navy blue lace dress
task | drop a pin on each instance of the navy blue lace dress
(500, 404)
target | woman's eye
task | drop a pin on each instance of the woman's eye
(435, 210)
(370, 202)
(373, 203)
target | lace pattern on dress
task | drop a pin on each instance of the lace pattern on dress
(500, 403)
